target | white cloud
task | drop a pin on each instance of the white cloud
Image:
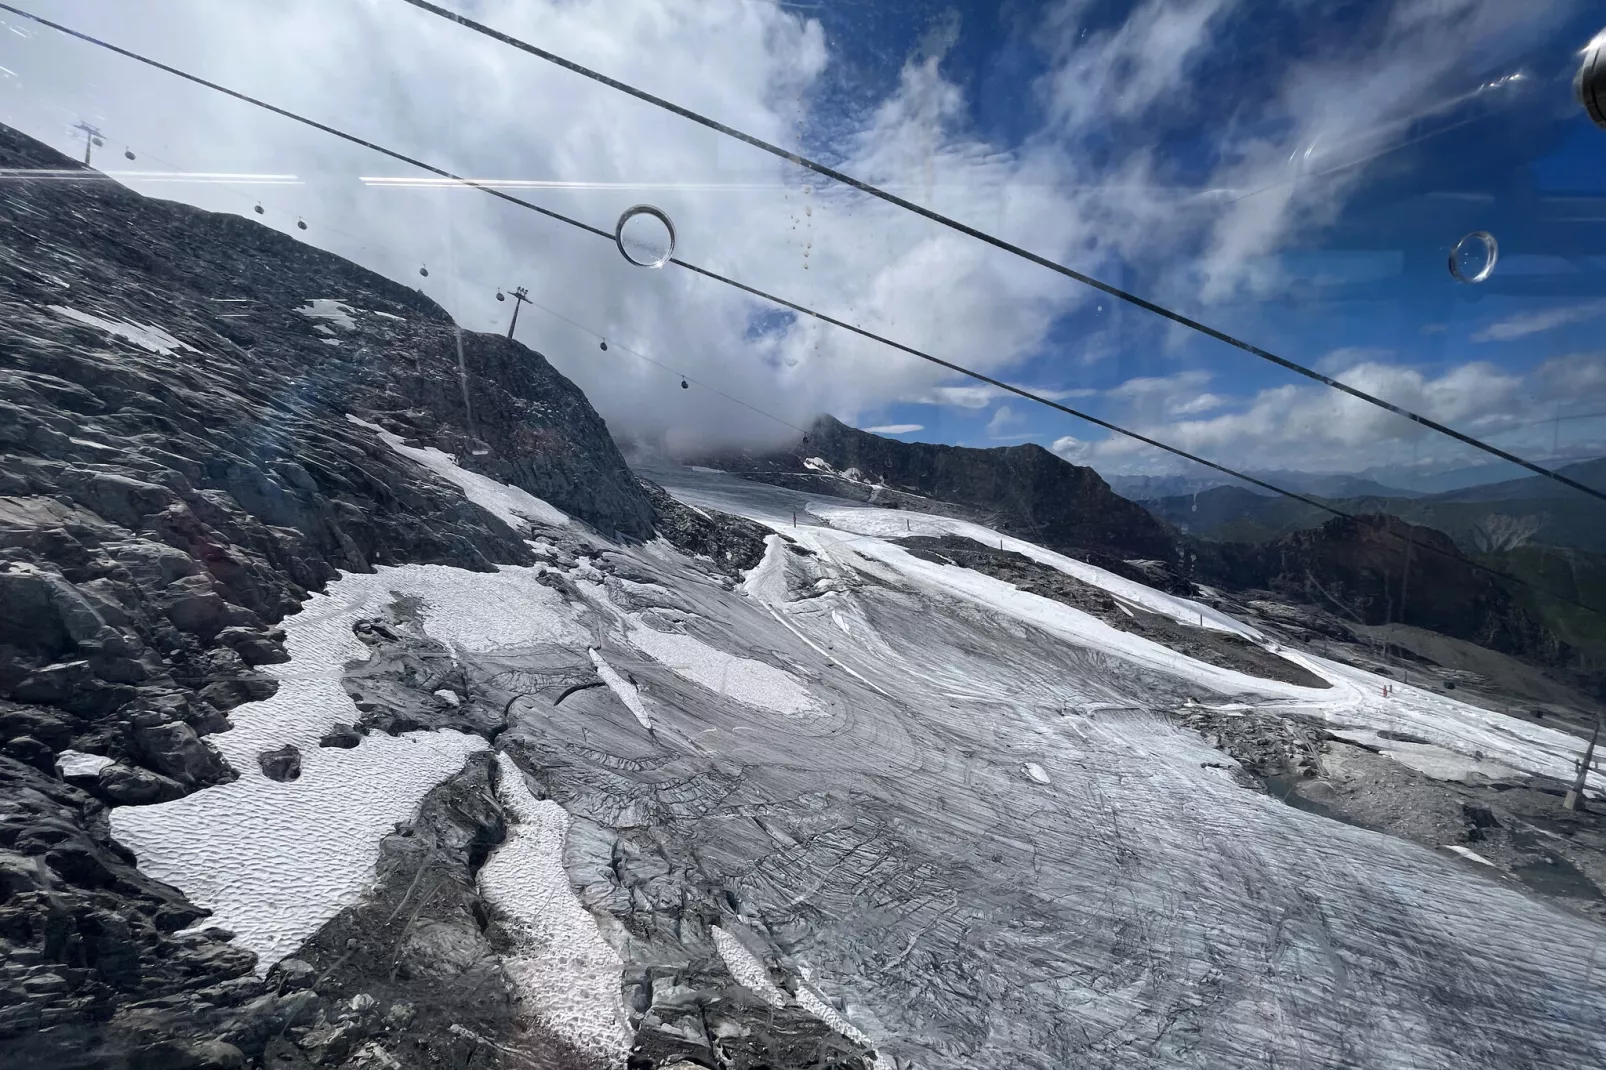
(1004, 418)
(1073, 449)
(1145, 387)
(427, 88)
(981, 396)
(1574, 377)
(1315, 428)
(895, 429)
(1337, 360)
(1202, 403)
(1527, 323)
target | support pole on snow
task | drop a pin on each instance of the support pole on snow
(1575, 797)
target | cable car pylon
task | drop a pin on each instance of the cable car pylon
(520, 297)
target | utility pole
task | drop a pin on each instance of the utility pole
(1575, 797)
(520, 296)
(92, 139)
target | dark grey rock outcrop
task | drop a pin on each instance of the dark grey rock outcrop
(177, 470)
(1023, 490)
(419, 957)
(731, 542)
(1378, 569)
(282, 764)
(84, 931)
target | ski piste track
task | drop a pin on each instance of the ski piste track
(959, 811)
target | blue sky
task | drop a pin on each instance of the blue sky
(1369, 284)
(1293, 172)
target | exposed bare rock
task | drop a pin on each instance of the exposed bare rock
(282, 764)
(732, 543)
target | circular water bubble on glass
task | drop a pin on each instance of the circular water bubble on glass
(1474, 257)
(645, 236)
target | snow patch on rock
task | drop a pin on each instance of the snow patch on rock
(143, 335)
(1468, 853)
(567, 973)
(77, 763)
(515, 507)
(747, 969)
(273, 860)
(816, 1005)
(336, 312)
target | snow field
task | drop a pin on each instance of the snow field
(753, 683)
(1457, 731)
(751, 974)
(567, 973)
(274, 861)
(747, 969)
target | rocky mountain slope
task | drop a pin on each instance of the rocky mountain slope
(345, 725)
(177, 472)
(1365, 569)
(1353, 569)
(1019, 489)
(1530, 530)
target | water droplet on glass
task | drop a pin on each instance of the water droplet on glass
(645, 236)
(1474, 257)
(1589, 84)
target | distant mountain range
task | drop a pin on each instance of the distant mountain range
(1337, 485)
(1489, 518)
(1387, 481)
(1547, 536)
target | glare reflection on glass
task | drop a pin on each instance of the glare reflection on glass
(1474, 257)
(645, 236)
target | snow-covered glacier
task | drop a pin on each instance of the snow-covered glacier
(958, 818)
